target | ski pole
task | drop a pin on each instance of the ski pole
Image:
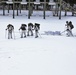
(39, 34)
(63, 31)
(5, 33)
(13, 34)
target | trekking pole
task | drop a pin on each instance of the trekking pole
(14, 34)
(5, 33)
(63, 31)
(39, 35)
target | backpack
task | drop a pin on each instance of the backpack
(10, 27)
(38, 25)
(71, 26)
(30, 24)
(23, 28)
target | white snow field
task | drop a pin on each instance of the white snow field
(46, 55)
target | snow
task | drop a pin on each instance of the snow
(46, 55)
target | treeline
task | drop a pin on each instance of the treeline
(71, 2)
(68, 1)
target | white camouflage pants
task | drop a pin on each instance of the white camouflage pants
(9, 34)
(30, 32)
(69, 33)
(23, 33)
(36, 34)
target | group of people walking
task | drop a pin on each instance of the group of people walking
(25, 31)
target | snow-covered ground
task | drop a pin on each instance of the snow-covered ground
(46, 55)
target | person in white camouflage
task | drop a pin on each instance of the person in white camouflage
(23, 30)
(10, 29)
(30, 29)
(36, 28)
(69, 27)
